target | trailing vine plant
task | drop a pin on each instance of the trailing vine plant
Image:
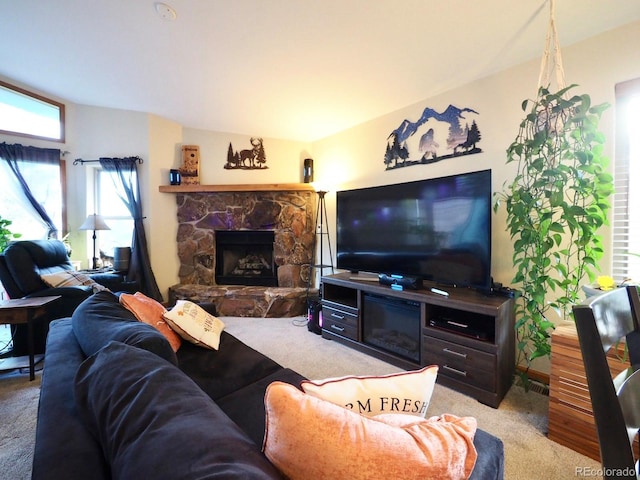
(555, 205)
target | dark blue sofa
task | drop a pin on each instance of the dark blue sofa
(117, 402)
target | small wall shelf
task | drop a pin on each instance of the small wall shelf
(260, 187)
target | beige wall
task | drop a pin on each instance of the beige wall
(161, 226)
(284, 158)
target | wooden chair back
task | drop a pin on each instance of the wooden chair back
(602, 322)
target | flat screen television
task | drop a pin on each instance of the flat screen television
(437, 229)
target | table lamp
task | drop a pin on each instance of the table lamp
(94, 222)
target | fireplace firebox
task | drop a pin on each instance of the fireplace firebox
(245, 257)
(392, 325)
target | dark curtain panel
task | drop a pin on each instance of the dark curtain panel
(126, 180)
(14, 155)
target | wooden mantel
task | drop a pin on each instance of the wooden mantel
(261, 187)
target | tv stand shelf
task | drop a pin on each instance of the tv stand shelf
(469, 335)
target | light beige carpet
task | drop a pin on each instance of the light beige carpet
(18, 410)
(520, 421)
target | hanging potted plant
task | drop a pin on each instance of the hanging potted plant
(555, 205)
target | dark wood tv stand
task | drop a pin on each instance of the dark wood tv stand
(477, 359)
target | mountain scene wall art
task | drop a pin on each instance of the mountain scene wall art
(433, 137)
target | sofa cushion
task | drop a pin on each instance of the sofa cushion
(154, 422)
(246, 406)
(307, 437)
(404, 392)
(490, 461)
(150, 311)
(220, 372)
(195, 324)
(101, 319)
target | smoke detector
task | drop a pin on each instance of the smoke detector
(165, 11)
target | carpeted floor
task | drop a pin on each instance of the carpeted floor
(18, 410)
(520, 421)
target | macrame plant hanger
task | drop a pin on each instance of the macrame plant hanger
(549, 117)
(551, 57)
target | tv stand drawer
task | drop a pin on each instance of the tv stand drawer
(340, 322)
(460, 362)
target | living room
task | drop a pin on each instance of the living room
(345, 159)
(351, 158)
(348, 159)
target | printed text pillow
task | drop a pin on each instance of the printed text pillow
(405, 392)
(194, 324)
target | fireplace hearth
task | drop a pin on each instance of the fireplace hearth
(245, 257)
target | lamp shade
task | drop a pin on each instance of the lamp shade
(94, 222)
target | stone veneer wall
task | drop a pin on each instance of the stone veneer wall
(290, 214)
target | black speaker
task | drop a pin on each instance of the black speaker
(307, 171)
(314, 314)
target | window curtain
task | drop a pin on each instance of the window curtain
(15, 154)
(126, 179)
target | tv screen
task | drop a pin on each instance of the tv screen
(436, 229)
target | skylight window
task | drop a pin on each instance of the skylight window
(28, 114)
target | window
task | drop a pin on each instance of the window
(115, 214)
(28, 114)
(626, 203)
(46, 182)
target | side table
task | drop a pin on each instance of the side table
(24, 311)
(571, 420)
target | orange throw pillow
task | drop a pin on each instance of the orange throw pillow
(150, 311)
(307, 437)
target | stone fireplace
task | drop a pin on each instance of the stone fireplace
(205, 217)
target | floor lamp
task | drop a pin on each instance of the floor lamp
(321, 218)
(94, 222)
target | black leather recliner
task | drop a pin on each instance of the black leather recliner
(21, 265)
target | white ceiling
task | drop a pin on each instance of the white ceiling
(298, 70)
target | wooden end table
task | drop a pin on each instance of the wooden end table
(24, 311)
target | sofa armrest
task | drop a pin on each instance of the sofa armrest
(115, 282)
(76, 291)
(64, 448)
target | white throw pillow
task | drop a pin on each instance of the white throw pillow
(406, 392)
(71, 278)
(194, 324)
